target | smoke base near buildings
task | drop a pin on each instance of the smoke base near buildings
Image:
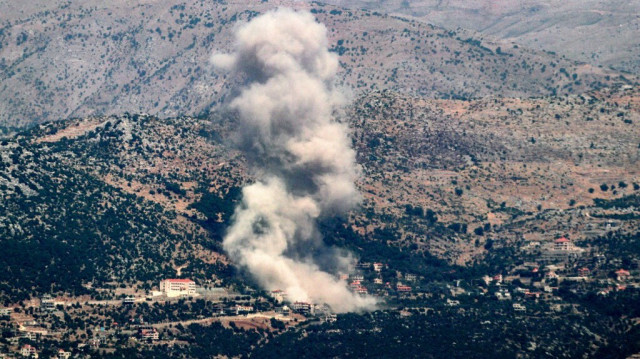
(302, 159)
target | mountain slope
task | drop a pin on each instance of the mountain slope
(87, 202)
(596, 32)
(64, 60)
(133, 198)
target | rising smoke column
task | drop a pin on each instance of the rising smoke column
(302, 158)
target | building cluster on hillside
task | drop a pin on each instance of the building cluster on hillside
(559, 263)
(366, 280)
(535, 284)
(376, 284)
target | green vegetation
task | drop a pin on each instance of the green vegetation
(632, 200)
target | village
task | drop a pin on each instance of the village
(66, 327)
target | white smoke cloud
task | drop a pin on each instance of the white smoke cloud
(306, 167)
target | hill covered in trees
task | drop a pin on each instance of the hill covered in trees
(135, 197)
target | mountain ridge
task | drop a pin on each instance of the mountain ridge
(155, 59)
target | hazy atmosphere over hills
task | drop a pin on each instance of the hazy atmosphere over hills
(412, 179)
(592, 31)
(60, 60)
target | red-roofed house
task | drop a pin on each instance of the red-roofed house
(622, 274)
(532, 294)
(279, 295)
(361, 290)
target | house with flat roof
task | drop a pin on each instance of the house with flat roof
(29, 351)
(62, 354)
(561, 250)
(148, 333)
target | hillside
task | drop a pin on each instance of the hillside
(460, 200)
(595, 32)
(447, 194)
(86, 202)
(61, 60)
(521, 167)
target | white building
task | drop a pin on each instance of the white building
(279, 295)
(28, 351)
(243, 309)
(129, 300)
(561, 250)
(47, 303)
(519, 307)
(178, 287)
(452, 302)
(503, 294)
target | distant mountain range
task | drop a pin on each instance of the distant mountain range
(74, 59)
(592, 31)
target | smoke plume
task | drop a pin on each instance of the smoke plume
(302, 158)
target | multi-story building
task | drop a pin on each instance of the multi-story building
(129, 300)
(519, 307)
(148, 333)
(29, 351)
(279, 295)
(360, 290)
(622, 275)
(47, 303)
(561, 250)
(302, 307)
(178, 287)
